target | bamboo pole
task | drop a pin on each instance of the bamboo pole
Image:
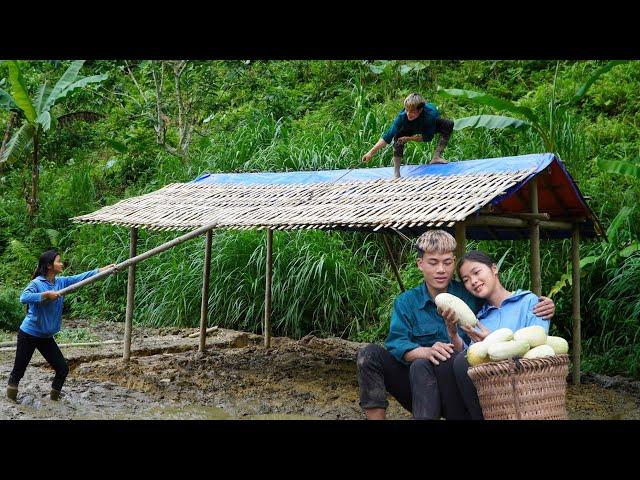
(204, 305)
(511, 222)
(131, 284)
(534, 236)
(137, 259)
(267, 294)
(461, 239)
(575, 274)
(394, 267)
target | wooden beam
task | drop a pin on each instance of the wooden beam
(510, 222)
(266, 331)
(534, 235)
(393, 262)
(204, 304)
(131, 284)
(461, 239)
(575, 316)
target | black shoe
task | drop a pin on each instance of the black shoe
(12, 392)
(55, 394)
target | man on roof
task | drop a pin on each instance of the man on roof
(418, 121)
(416, 367)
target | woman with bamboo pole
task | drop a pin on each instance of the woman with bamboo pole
(43, 320)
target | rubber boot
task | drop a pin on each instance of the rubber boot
(396, 166)
(12, 392)
(55, 394)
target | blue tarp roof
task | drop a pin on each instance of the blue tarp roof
(490, 165)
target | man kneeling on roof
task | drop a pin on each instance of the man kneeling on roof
(420, 348)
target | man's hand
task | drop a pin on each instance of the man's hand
(402, 140)
(439, 351)
(50, 295)
(477, 335)
(450, 320)
(545, 308)
(367, 156)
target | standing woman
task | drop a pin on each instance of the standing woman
(44, 315)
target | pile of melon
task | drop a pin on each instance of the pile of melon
(528, 342)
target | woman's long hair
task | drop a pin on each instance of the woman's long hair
(46, 259)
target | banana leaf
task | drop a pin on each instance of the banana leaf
(489, 121)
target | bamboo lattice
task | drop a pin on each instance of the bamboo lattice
(426, 200)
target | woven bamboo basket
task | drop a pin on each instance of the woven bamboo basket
(523, 389)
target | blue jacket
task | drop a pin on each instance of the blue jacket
(516, 312)
(415, 321)
(44, 317)
(424, 124)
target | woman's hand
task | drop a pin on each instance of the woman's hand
(477, 335)
(545, 308)
(107, 267)
(50, 295)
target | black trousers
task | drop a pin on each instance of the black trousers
(49, 350)
(426, 390)
(443, 126)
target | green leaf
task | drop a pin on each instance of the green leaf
(44, 119)
(68, 77)
(585, 86)
(6, 100)
(588, 261)
(117, 146)
(620, 167)
(612, 231)
(489, 121)
(81, 83)
(37, 103)
(404, 69)
(565, 279)
(19, 92)
(634, 247)
(20, 141)
(497, 103)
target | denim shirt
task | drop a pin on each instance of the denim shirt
(424, 124)
(44, 316)
(516, 312)
(415, 321)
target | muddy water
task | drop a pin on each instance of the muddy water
(236, 378)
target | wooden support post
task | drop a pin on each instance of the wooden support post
(394, 267)
(266, 331)
(461, 239)
(534, 236)
(204, 305)
(131, 285)
(575, 277)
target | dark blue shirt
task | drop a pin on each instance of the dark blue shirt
(424, 124)
(415, 321)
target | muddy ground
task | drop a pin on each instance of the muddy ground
(236, 378)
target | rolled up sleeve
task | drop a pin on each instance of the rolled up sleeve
(398, 342)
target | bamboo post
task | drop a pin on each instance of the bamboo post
(204, 305)
(266, 331)
(575, 274)
(394, 267)
(131, 284)
(461, 239)
(534, 236)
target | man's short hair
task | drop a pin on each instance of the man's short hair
(436, 241)
(414, 101)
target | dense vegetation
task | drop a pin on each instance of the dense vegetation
(128, 128)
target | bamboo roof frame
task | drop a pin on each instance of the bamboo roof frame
(424, 201)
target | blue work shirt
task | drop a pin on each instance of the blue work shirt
(516, 312)
(424, 124)
(415, 321)
(44, 316)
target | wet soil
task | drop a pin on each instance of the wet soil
(235, 378)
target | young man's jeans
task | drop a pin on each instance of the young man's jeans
(428, 391)
(49, 350)
(444, 127)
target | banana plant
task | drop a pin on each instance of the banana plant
(37, 117)
(547, 128)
